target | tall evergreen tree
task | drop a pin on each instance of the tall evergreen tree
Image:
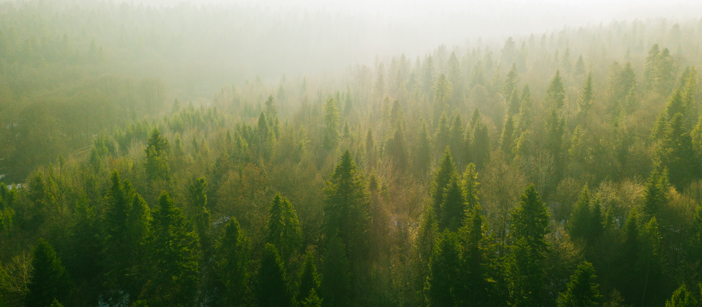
(507, 139)
(453, 206)
(476, 288)
(283, 229)
(422, 159)
(272, 284)
(331, 123)
(470, 187)
(582, 290)
(202, 219)
(656, 192)
(336, 282)
(511, 81)
(231, 261)
(480, 146)
(49, 279)
(457, 142)
(555, 93)
(586, 98)
(677, 155)
(442, 95)
(157, 156)
(309, 279)
(530, 221)
(446, 170)
(174, 257)
(346, 209)
(443, 283)
(682, 298)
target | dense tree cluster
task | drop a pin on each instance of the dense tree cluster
(473, 176)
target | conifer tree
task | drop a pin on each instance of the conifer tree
(312, 300)
(480, 146)
(477, 290)
(453, 206)
(272, 284)
(586, 97)
(422, 158)
(442, 94)
(530, 221)
(555, 93)
(424, 246)
(507, 139)
(202, 219)
(555, 131)
(336, 282)
(470, 187)
(231, 261)
(655, 195)
(446, 170)
(347, 209)
(525, 275)
(443, 134)
(174, 257)
(511, 81)
(330, 137)
(116, 233)
(676, 154)
(396, 149)
(49, 279)
(682, 298)
(456, 140)
(139, 232)
(582, 290)
(309, 279)
(370, 149)
(579, 222)
(157, 157)
(443, 283)
(283, 229)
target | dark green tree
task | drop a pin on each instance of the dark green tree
(443, 284)
(530, 221)
(336, 280)
(157, 156)
(231, 261)
(174, 257)
(347, 209)
(582, 290)
(470, 187)
(309, 279)
(272, 283)
(457, 141)
(682, 298)
(453, 207)
(676, 154)
(202, 219)
(283, 230)
(477, 290)
(656, 193)
(331, 123)
(422, 159)
(49, 279)
(116, 234)
(507, 139)
(480, 146)
(445, 171)
(555, 93)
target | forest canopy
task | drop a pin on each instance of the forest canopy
(561, 168)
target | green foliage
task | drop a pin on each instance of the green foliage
(231, 262)
(453, 207)
(555, 93)
(530, 221)
(682, 298)
(442, 177)
(336, 280)
(272, 281)
(309, 279)
(283, 227)
(49, 278)
(582, 290)
(443, 284)
(157, 157)
(330, 137)
(173, 257)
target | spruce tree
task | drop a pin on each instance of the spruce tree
(347, 209)
(422, 160)
(116, 234)
(443, 283)
(330, 136)
(480, 146)
(336, 282)
(272, 284)
(309, 279)
(530, 221)
(49, 279)
(174, 257)
(656, 192)
(476, 289)
(586, 98)
(139, 232)
(507, 139)
(453, 206)
(555, 93)
(283, 230)
(456, 140)
(582, 290)
(682, 298)
(446, 170)
(442, 95)
(677, 155)
(157, 157)
(470, 187)
(202, 219)
(579, 222)
(231, 261)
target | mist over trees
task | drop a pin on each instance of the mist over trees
(552, 169)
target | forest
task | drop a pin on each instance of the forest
(561, 168)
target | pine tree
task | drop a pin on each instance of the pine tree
(139, 232)
(370, 149)
(336, 283)
(480, 146)
(424, 246)
(231, 261)
(555, 93)
(422, 158)
(309, 279)
(443, 134)
(272, 284)
(582, 289)
(446, 170)
(682, 298)
(86, 264)
(49, 279)
(525, 275)
(330, 137)
(655, 195)
(579, 222)
(676, 154)
(443, 283)
(117, 243)
(507, 139)
(396, 149)
(586, 98)
(442, 92)
(347, 209)
(477, 289)
(470, 187)
(174, 257)
(157, 157)
(555, 131)
(453, 206)
(511, 81)
(283, 229)
(456, 140)
(530, 221)
(202, 219)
